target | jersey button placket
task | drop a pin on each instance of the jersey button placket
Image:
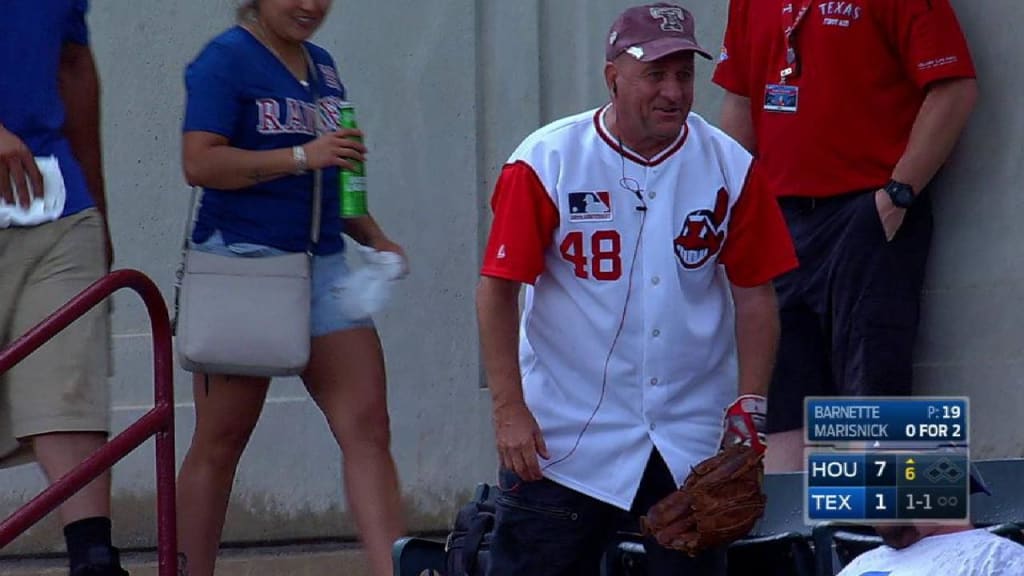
(656, 333)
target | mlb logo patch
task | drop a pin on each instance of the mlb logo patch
(590, 207)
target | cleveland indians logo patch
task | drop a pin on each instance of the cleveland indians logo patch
(702, 235)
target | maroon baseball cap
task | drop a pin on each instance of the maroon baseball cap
(653, 31)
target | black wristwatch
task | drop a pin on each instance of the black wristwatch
(902, 194)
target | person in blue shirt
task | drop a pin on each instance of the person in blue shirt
(54, 406)
(260, 116)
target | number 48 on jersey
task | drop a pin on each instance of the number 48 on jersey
(597, 257)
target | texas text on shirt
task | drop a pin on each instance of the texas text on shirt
(862, 70)
(699, 220)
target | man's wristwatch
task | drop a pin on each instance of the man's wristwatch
(902, 194)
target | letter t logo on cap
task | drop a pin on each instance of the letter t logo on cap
(671, 18)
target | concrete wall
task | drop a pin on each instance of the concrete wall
(446, 89)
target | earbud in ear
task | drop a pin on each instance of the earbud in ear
(615, 88)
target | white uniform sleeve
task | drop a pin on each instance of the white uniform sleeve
(973, 553)
(1005, 558)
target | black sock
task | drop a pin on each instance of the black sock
(86, 537)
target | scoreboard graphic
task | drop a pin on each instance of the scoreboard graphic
(885, 460)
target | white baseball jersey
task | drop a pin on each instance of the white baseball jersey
(655, 281)
(969, 553)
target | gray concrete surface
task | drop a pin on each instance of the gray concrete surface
(295, 560)
(445, 90)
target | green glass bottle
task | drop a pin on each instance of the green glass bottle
(352, 183)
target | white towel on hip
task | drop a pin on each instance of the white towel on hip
(40, 210)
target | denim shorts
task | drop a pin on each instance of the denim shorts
(329, 270)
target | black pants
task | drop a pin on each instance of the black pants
(546, 529)
(850, 312)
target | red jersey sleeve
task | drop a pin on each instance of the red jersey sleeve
(931, 43)
(758, 247)
(525, 219)
(733, 69)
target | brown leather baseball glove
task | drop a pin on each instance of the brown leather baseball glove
(718, 504)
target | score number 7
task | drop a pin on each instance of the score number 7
(604, 262)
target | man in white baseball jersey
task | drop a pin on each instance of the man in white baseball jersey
(640, 320)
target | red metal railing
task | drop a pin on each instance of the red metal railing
(159, 421)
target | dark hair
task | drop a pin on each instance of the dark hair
(246, 9)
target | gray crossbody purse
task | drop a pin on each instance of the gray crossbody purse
(247, 316)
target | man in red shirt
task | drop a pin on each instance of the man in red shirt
(851, 109)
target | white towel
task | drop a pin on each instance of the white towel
(366, 290)
(40, 210)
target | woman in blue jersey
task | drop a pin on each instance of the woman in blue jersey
(256, 94)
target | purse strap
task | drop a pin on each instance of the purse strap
(318, 175)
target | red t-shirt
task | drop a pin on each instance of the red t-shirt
(864, 67)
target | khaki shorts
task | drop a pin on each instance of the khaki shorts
(62, 386)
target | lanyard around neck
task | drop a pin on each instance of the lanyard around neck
(791, 20)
